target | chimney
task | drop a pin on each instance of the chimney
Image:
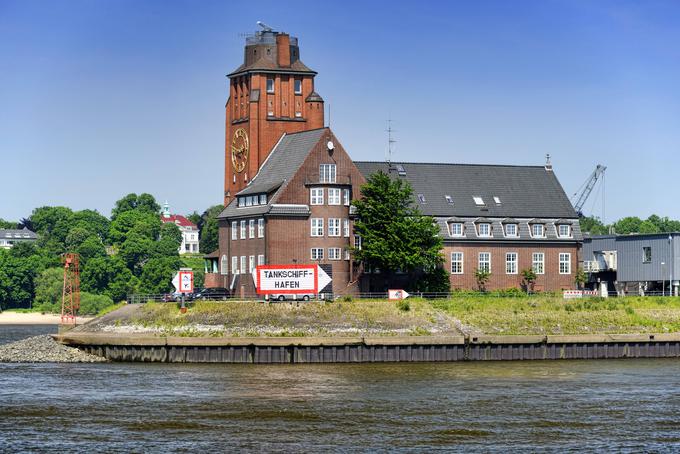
(283, 50)
(548, 164)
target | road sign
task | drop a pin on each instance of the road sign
(289, 279)
(397, 294)
(184, 281)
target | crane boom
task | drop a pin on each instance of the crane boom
(589, 185)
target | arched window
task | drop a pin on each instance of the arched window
(224, 265)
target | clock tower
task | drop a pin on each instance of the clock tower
(270, 94)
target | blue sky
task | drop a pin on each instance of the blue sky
(102, 98)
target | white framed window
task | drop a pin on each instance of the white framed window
(241, 202)
(456, 263)
(565, 263)
(297, 86)
(456, 229)
(316, 196)
(538, 262)
(243, 265)
(243, 230)
(345, 197)
(357, 242)
(249, 201)
(251, 264)
(333, 227)
(484, 229)
(334, 253)
(511, 263)
(234, 265)
(484, 262)
(270, 85)
(260, 259)
(646, 254)
(317, 226)
(564, 230)
(251, 228)
(511, 230)
(537, 230)
(345, 228)
(317, 253)
(334, 196)
(263, 199)
(346, 254)
(224, 265)
(260, 228)
(327, 173)
(234, 230)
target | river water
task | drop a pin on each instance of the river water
(541, 406)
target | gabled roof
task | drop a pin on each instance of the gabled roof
(267, 65)
(524, 191)
(283, 161)
(179, 220)
(18, 234)
(279, 167)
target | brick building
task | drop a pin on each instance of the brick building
(289, 184)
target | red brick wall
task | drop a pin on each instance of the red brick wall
(550, 281)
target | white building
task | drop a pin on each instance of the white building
(189, 230)
(9, 237)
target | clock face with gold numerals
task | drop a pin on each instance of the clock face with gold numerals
(239, 150)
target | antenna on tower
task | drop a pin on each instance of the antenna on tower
(265, 27)
(390, 141)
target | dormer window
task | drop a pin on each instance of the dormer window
(497, 200)
(478, 201)
(564, 231)
(537, 230)
(511, 230)
(484, 229)
(456, 228)
(263, 199)
(421, 198)
(241, 202)
(249, 201)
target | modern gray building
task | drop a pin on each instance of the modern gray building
(634, 264)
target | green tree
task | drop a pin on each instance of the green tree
(580, 278)
(157, 274)
(141, 222)
(482, 276)
(395, 235)
(208, 227)
(16, 280)
(49, 285)
(528, 279)
(630, 224)
(593, 225)
(7, 224)
(194, 217)
(53, 225)
(135, 251)
(133, 202)
(91, 221)
(649, 227)
(109, 276)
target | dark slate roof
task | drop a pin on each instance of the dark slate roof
(524, 191)
(267, 65)
(284, 160)
(281, 165)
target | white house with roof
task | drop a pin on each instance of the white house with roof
(189, 230)
(9, 237)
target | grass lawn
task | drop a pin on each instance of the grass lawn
(554, 315)
(340, 318)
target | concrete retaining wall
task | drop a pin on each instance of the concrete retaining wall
(360, 350)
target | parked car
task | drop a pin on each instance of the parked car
(211, 293)
(170, 297)
(292, 297)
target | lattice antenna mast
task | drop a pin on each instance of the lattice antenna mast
(390, 141)
(70, 297)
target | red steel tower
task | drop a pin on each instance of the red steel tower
(70, 298)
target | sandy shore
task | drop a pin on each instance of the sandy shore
(34, 318)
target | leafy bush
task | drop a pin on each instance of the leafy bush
(403, 306)
(91, 304)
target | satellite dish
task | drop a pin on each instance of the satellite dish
(330, 146)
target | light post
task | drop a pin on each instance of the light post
(663, 278)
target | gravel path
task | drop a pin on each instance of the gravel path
(44, 349)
